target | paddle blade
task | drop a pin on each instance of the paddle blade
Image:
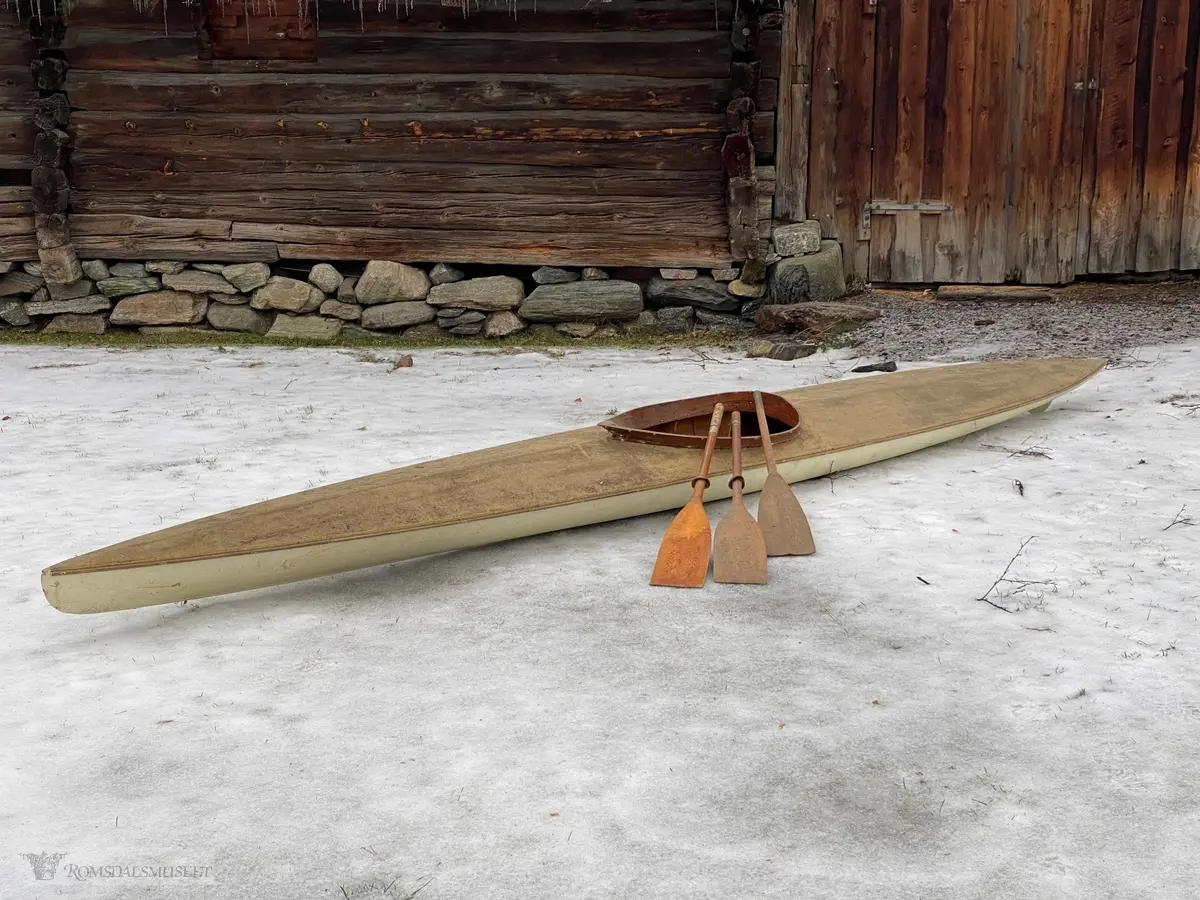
(685, 550)
(739, 551)
(784, 526)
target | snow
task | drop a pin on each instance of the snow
(533, 720)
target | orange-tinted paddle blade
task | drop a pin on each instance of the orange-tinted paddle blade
(784, 526)
(739, 551)
(685, 550)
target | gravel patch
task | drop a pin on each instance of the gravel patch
(1104, 320)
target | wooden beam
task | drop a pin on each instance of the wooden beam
(794, 111)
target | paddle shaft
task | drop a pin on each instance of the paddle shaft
(737, 482)
(764, 428)
(700, 483)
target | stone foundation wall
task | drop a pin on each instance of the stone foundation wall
(375, 298)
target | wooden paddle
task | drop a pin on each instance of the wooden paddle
(684, 553)
(740, 556)
(780, 515)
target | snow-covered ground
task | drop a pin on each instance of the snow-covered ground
(532, 720)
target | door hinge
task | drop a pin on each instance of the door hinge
(890, 207)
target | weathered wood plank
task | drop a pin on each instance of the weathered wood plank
(934, 138)
(794, 118)
(281, 29)
(994, 88)
(16, 89)
(1068, 193)
(18, 249)
(16, 226)
(679, 54)
(1111, 221)
(544, 15)
(117, 246)
(136, 226)
(1091, 128)
(116, 171)
(618, 215)
(1158, 231)
(279, 93)
(1034, 124)
(885, 170)
(1189, 173)
(952, 250)
(663, 141)
(16, 141)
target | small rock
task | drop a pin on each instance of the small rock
(126, 270)
(772, 257)
(19, 283)
(6, 266)
(426, 331)
(124, 285)
(982, 322)
(797, 238)
(583, 300)
(287, 294)
(96, 269)
(32, 268)
(467, 330)
(388, 282)
(198, 282)
(502, 324)
(450, 312)
(750, 309)
(754, 272)
(165, 266)
(444, 274)
(822, 319)
(781, 350)
(698, 292)
(646, 323)
(247, 277)
(889, 366)
(74, 323)
(552, 275)
(230, 299)
(591, 273)
(239, 318)
(403, 362)
(488, 294)
(325, 277)
(723, 321)
(160, 308)
(577, 329)
(349, 312)
(353, 332)
(13, 312)
(345, 291)
(305, 328)
(76, 306)
(470, 317)
(401, 314)
(676, 319)
(678, 274)
(607, 332)
(211, 268)
(818, 276)
(728, 273)
(41, 295)
(82, 288)
(741, 289)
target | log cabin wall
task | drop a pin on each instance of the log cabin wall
(17, 94)
(984, 141)
(573, 133)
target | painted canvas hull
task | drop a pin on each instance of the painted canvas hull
(561, 481)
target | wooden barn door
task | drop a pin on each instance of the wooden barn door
(978, 136)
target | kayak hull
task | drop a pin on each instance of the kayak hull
(211, 560)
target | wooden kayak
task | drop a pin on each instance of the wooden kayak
(638, 463)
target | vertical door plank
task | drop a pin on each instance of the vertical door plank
(994, 73)
(1158, 238)
(1189, 175)
(823, 133)
(1112, 200)
(1026, 138)
(885, 173)
(1067, 182)
(933, 176)
(907, 265)
(854, 130)
(954, 227)
(795, 91)
(1091, 127)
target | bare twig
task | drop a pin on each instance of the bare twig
(1004, 577)
(1180, 519)
(1024, 451)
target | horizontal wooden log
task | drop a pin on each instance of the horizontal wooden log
(135, 226)
(16, 226)
(115, 171)
(434, 16)
(16, 209)
(628, 215)
(182, 249)
(17, 51)
(676, 54)
(18, 249)
(367, 94)
(638, 140)
(16, 138)
(16, 90)
(15, 193)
